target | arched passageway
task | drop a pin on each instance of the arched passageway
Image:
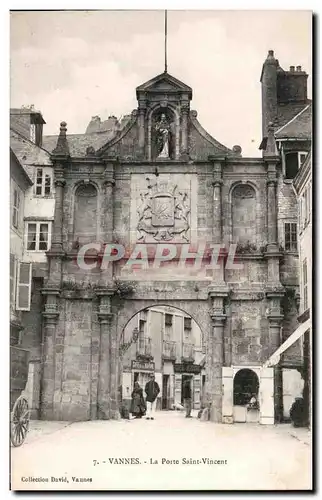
(168, 342)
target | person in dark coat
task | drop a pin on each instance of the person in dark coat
(152, 390)
(186, 393)
(138, 406)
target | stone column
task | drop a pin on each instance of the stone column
(215, 355)
(184, 127)
(107, 220)
(104, 396)
(56, 252)
(217, 230)
(141, 123)
(216, 369)
(50, 316)
(271, 213)
(275, 319)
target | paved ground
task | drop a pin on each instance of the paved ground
(244, 456)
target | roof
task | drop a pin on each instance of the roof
(78, 143)
(21, 168)
(299, 127)
(27, 152)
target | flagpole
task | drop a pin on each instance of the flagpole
(165, 40)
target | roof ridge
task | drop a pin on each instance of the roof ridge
(292, 119)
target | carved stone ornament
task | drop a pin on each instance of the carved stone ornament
(163, 212)
(244, 191)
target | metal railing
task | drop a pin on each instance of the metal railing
(188, 351)
(144, 347)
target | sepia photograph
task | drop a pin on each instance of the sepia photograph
(161, 250)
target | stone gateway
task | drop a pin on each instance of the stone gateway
(162, 178)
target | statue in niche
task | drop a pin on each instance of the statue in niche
(163, 137)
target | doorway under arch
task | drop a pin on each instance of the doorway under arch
(246, 388)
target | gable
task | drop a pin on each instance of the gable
(164, 82)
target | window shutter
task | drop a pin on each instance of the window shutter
(24, 286)
(12, 278)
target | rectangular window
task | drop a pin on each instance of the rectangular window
(43, 183)
(302, 157)
(290, 230)
(16, 208)
(305, 286)
(291, 165)
(38, 236)
(24, 286)
(168, 319)
(187, 323)
(12, 280)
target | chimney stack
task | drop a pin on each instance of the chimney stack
(292, 69)
(298, 68)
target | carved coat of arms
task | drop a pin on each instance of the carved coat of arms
(163, 212)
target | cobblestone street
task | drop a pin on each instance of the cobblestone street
(231, 457)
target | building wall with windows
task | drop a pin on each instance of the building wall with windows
(20, 182)
(26, 127)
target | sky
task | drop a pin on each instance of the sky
(74, 65)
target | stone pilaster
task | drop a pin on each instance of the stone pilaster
(50, 316)
(217, 230)
(184, 127)
(60, 158)
(275, 318)
(271, 159)
(107, 376)
(141, 124)
(107, 220)
(215, 354)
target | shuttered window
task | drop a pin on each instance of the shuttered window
(12, 280)
(16, 208)
(24, 286)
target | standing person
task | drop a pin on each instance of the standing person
(138, 406)
(187, 397)
(152, 390)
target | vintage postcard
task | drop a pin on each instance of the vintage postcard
(160, 250)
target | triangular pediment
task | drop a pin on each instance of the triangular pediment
(164, 83)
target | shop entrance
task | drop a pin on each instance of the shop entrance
(246, 386)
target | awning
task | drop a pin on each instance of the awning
(275, 358)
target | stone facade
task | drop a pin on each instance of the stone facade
(128, 190)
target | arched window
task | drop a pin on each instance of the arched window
(246, 386)
(243, 214)
(85, 214)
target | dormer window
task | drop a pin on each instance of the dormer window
(293, 162)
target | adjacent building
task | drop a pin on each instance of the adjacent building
(169, 344)
(36, 214)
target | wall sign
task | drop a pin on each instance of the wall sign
(186, 368)
(143, 365)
